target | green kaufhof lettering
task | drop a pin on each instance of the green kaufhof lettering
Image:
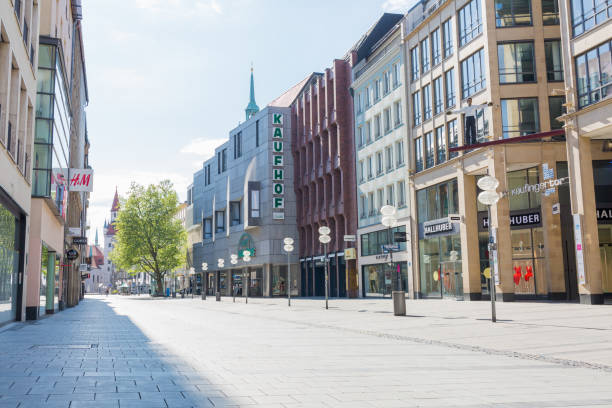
(278, 174)
(279, 189)
(278, 133)
(279, 202)
(277, 160)
(277, 147)
(277, 119)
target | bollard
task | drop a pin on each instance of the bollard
(399, 303)
(218, 296)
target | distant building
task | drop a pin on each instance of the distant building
(99, 278)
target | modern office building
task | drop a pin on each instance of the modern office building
(507, 53)
(381, 135)
(587, 60)
(19, 22)
(323, 154)
(244, 199)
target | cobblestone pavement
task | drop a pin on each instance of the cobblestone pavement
(144, 352)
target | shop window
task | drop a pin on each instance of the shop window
(440, 266)
(510, 13)
(518, 179)
(381, 279)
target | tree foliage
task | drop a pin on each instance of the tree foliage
(150, 237)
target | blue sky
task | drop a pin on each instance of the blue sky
(168, 79)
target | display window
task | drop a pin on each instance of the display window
(381, 279)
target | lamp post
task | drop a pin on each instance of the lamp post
(489, 197)
(246, 257)
(220, 265)
(389, 220)
(204, 279)
(234, 261)
(288, 248)
(325, 239)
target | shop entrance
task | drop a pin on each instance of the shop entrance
(605, 251)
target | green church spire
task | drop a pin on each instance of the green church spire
(252, 107)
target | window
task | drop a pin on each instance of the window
(438, 104)
(401, 194)
(453, 137)
(207, 174)
(425, 55)
(372, 244)
(387, 113)
(447, 32)
(386, 82)
(364, 206)
(482, 126)
(449, 84)
(368, 132)
(379, 163)
(219, 221)
(377, 90)
(381, 198)
(416, 108)
(519, 117)
(555, 109)
(594, 75)
(414, 63)
(370, 168)
(397, 107)
(361, 171)
(473, 78)
(427, 102)
(429, 150)
(235, 213)
(550, 12)
(399, 153)
(389, 157)
(368, 101)
(516, 62)
(390, 195)
(586, 14)
(396, 75)
(470, 22)
(238, 145)
(554, 61)
(207, 228)
(441, 145)
(221, 161)
(254, 203)
(436, 56)
(377, 124)
(257, 133)
(509, 13)
(438, 201)
(371, 206)
(360, 138)
(418, 154)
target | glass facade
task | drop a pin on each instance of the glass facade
(9, 264)
(587, 14)
(594, 74)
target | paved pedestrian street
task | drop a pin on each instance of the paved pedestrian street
(143, 352)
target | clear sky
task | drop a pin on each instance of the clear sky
(168, 79)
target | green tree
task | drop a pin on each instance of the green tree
(150, 237)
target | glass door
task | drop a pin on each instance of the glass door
(605, 251)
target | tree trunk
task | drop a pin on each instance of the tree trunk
(159, 281)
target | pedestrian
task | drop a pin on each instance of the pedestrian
(469, 112)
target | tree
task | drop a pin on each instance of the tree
(150, 238)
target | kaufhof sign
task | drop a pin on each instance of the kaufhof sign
(278, 167)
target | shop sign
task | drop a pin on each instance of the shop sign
(350, 253)
(246, 243)
(350, 238)
(384, 257)
(530, 219)
(74, 231)
(72, 254)
(278, 171)
(547, 187)
(439, 227)
(604, 215)
(79, 240)
(390, 248)
(579, 249)
(81, 180)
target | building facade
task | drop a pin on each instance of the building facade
(19, 21)
(381, 135)
(323, 153)
(506, 54)
(244, 199)
(587, 62)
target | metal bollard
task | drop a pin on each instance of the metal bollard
(399, 303)
(218, 296)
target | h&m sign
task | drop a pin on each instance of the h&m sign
(278, 167)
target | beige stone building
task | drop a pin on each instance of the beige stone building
(506, 56)
(19, 21)
(587, 42)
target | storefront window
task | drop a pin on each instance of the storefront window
(520, 178)
(279, 280)
(381, 279)
(9, 259)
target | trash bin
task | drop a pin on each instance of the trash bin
(218, 296)
(399, 303)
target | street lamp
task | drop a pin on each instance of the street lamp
(325, 239)
(234, 261)
(246, 257)
(490, 197)
(220, 265)
(204, 279)
(191, 276)
(288, 248)
(389, 220)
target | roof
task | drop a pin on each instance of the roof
(115, 206)
(385, 23)
(286, 99)
(97, 257)
(111, 230)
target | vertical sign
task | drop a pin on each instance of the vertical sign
(495, 267)
(278, 170)
(579, 249)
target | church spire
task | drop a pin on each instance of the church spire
(252, 107)
(96, 237)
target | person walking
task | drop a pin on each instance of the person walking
(469, 113)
